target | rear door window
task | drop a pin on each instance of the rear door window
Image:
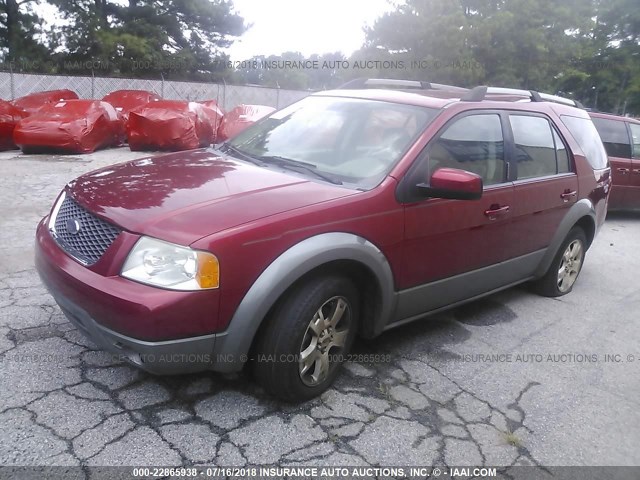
(614, 137)
(535, 150)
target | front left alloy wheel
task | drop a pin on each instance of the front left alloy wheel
(299, 351)
(324, 339)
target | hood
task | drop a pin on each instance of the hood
(185, 196)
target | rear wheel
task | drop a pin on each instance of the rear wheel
(566, 266)
(303, 344)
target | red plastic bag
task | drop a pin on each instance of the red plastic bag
(10, 115)
(70, 126)
(169, 125)
(240, 118)
(215, 114)
(126, 100)
(35, 101)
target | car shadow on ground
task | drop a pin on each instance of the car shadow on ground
(432, 336)
(623, 216)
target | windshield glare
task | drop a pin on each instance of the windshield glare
(356, 141)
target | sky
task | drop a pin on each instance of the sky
(306, 26)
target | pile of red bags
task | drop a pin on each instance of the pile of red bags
(10, 115)
(215, 114)
(169, 125)
(35, 101)
(57, 121)
(126, 100)
(236, 120)
(70, 126)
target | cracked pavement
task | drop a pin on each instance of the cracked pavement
(436, 401)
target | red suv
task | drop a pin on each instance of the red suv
(349, 212)
(621, 138)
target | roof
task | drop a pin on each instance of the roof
(436, 95)
(441, 98)
(394, 96)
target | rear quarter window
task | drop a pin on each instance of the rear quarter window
(614, 136)
(635, 137)
(585, 133)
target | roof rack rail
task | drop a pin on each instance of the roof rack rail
(547, 97)
(478, 94)
(393, 83)
(384, 82)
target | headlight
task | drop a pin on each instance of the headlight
(164, 264)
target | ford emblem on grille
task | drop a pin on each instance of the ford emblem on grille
(73, 226)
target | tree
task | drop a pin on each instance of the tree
(19, 27)
(607, 76)
(526, 43)
(522, 43)
(331, 73)
(146, 38)
(429, 37)
(284, 71)
(589, 49)
(293, 70)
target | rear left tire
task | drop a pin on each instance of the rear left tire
(565, 267)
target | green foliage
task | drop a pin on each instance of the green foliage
(19, 30)
(588, 49)
(180, 39)
(609, 65)
(292, 70)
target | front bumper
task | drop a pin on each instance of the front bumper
(160, 331)
(167, 357)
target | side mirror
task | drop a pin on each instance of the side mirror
(452, 183)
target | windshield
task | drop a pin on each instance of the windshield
(351, 140)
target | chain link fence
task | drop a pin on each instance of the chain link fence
(14, 85)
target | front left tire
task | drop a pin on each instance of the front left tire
(301, 348)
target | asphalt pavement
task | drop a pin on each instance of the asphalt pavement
(514, 379)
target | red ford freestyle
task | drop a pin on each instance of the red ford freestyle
(621, 138)
(347, 213)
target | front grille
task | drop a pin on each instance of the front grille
(81, 234)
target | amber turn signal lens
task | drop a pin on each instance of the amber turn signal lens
(208, 274)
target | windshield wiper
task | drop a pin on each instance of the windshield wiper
(228, 148)
(299, 165)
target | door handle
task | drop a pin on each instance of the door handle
(567, 195)
(623, 171)
(636, 171)
(495, 211)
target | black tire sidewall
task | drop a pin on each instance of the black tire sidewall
(550, 281)
(285, 332)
